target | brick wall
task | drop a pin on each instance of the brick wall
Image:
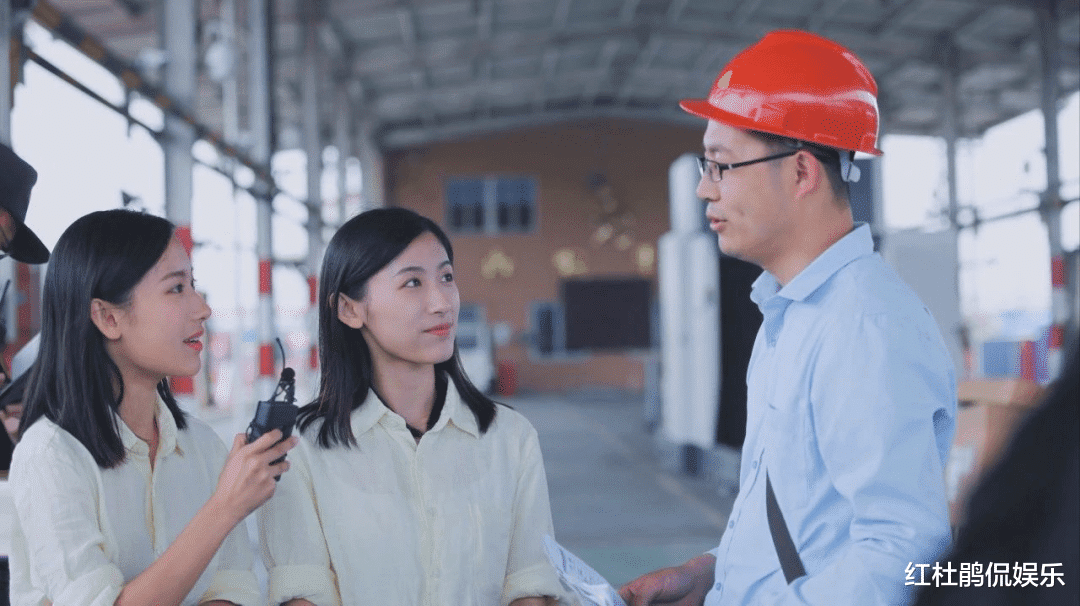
(633, 158)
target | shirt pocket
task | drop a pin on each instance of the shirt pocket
(788, 446)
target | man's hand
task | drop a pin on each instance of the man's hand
(684, 585)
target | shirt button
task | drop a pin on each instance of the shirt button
(717, 586)
(753, 465)
(731, 524)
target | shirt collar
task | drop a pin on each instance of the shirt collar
(859, 242)
(167, 434)
(368, 414)
(454, 411)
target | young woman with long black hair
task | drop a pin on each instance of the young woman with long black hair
(121, 498)
(409, 487)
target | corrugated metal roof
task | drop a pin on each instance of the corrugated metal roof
(424, 70)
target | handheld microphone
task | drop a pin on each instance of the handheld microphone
(276, 414)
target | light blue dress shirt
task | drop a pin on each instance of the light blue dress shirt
(851, 409)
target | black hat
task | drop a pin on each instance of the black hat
(16, 179)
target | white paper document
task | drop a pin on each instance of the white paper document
(580, 578)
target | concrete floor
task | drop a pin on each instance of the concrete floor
(614, 504)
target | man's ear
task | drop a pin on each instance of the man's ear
(809, 174)
(106, 317)
(350, 311)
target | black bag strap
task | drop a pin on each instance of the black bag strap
(790, 562)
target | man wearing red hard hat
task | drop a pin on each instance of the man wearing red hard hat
(851, 394)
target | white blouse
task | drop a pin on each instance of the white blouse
(457, 518)
(81, 532)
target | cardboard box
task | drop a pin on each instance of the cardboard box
(989, 412)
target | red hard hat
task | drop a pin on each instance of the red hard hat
(798, 85)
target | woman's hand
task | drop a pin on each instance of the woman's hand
(10, 415)
(247, 480)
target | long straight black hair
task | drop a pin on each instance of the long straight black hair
(75, 383)
(361, 247)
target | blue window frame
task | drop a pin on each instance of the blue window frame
(490, 205)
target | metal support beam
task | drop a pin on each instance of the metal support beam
(624, 81)
(602, 72)
(562, 15)
(705, 69)
(951, 119)
(407, 136)
(343, 128)
(230, 86)
(1061, 303)
(745, 11)
(628, 11)
(6, 84)
(547, 71)
(224, 166)
(8, 315)
(950, 59)
(371, 169)
(66, 29)
(179, 39)
(823, 14)
(485, 65)
(261, 125)
(675, 10)
(311, 136)
(230, 126)
(894, 15)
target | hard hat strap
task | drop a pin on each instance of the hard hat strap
(849, 172)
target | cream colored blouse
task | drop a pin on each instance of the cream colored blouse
(457, 518)
(81, 532)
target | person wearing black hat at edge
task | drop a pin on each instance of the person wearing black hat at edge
(17, 178)
(16, 240)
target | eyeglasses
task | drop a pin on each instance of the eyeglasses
(715, 170)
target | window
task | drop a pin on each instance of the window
(465, 205)
(490, 205)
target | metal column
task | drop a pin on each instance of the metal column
(1061, 296)
(6, 85)
(230, 127)
(343, 143)
(951, 126)
(371, 169)
(311, 16)
(260, 123)
(7, 266)
(178, 32)
(230, 86)
(688, 278)
(951, 122)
